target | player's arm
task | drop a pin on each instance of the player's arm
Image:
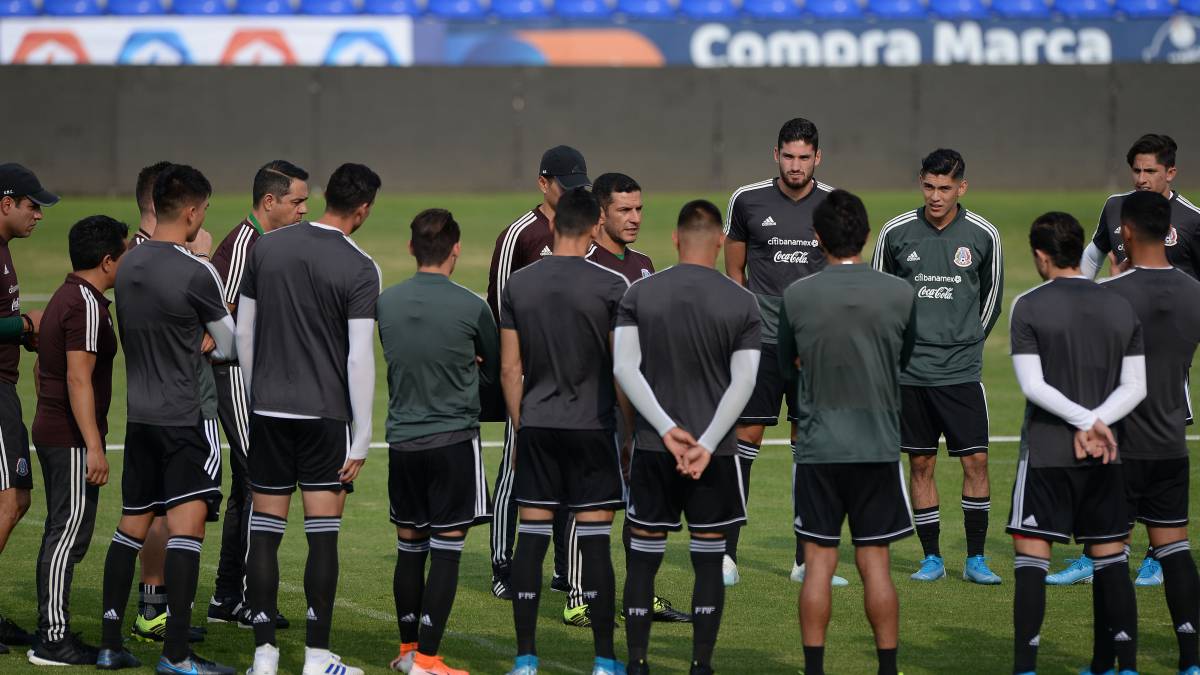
(1100, 246)
(1131, 388)
(511, 374)
(882, 260)
(360, 373)
(991, 287)
(207, 297)
(487, 347)
(623, 402)
(735, 242)
(1033, 384)
(627, 369)
(223, 333)
(80, 366)
(247, 309)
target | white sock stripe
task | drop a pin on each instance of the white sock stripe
(415, 546)
(707, 546)
(594, 530)
(1031, 561)
(120, 538)
(1127, 550)
(927, 518)
(976, 506)
(447, 544)
(314, 525)
(540, 529)
(184, 544)
(263, 523)
(1171, 549)
(1108, 561)
(647, 545)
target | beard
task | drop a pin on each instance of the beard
(792, 185)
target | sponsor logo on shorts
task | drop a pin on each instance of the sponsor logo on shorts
(22, 467)
(1030, 521)
(1122, 637)
(962, 257)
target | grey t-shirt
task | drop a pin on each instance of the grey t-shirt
(564, 309)
(1167, 302)
(308, 281)
(781, 244)
(1081, 331)
(690, 321)
(164, 296)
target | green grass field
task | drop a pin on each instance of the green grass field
(947, 627)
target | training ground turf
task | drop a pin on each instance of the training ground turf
(946, 627)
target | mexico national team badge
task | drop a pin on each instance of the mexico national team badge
(22, 467)
(962, 257)
(646, 272)
(1172, 237)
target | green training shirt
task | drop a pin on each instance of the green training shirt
(432, 329)
(958, 274)
(852, 329)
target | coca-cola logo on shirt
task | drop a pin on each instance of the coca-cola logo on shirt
(936, 293)
(795, 257)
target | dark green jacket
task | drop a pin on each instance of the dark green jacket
(432, 330)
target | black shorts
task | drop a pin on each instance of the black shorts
(871, 495)
(768, 396)
(169, 466)
(658, 494)
(15, 470)
(1157, 490)
(957, 411)
(440, 489)
(1054, 503)
(576, 469)
(286, 452)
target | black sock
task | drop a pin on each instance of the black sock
(1183, 598)
(708, 597)
(975, 522)
(814, 660)
(1120, 606)
(887, 661)
(747, 453)
(182, 572)
(445, 554)
(644, 558)
(626, 536)
(152, 600)
(118, 580)
(599, 584)
(321, 577)
(262, 574)
(929, 529)
(408, 586)
(533, 538)
(1029, 609)
(1103, 656)
(799, 550)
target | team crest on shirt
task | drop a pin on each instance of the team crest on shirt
(22, 467)
(1172, 237)
(645, 272)
(962, 257)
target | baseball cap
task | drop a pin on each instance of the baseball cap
(566, 164)
(17, 181)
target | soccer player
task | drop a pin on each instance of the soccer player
(1151, 161)
(557, 318)
(76, 347)
(279, 198)
(144, 193)
(21, 200)
(1154, 454)
(845, 335)
(686, 350)
(524, 242)
(1079, 357)
(953, 258)
(769, 244)
(439, 340)
(167, 299)
(306, 319)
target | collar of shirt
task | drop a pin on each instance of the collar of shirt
(254, 223)
(962, 213)
(430, 277)
(73, 278)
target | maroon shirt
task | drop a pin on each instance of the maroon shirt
(634, 265)
(75, 320)
(527, 240)
(231, 256)
(10, 305)
(137, 238)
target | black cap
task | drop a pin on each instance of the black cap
(566, 164)
(17, 181)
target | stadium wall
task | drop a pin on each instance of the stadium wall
(481, 129)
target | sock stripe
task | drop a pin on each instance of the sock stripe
(593, 529)
(927, 518)
(448, 543)
(1031, 561)
(412, 545)
(747, 449)
(707, 545)
(122, 538)
(542, 528)
(969, 504)
(184, 544)
(261, 522)
(648, 545)
(1100, 563)
(1171, 549)
(315, 525)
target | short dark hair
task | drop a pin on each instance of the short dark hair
(1058, 235)
(1162, 146)
(798, 129)
(434, 234)
(274, 178)
(577, 212)
(351, 186)
(699, 215)
(607, 183)
(842, 223)
(93, 238)
(944, 162)
(144, 191)
(179, 186)
(1148, 214)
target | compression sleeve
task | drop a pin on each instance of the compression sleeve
(1130, 391)
(1093, 260)
(627, 368)
(1040, 393)
(245, 341)
(743, 370)
(222, 332)
(360, 370)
